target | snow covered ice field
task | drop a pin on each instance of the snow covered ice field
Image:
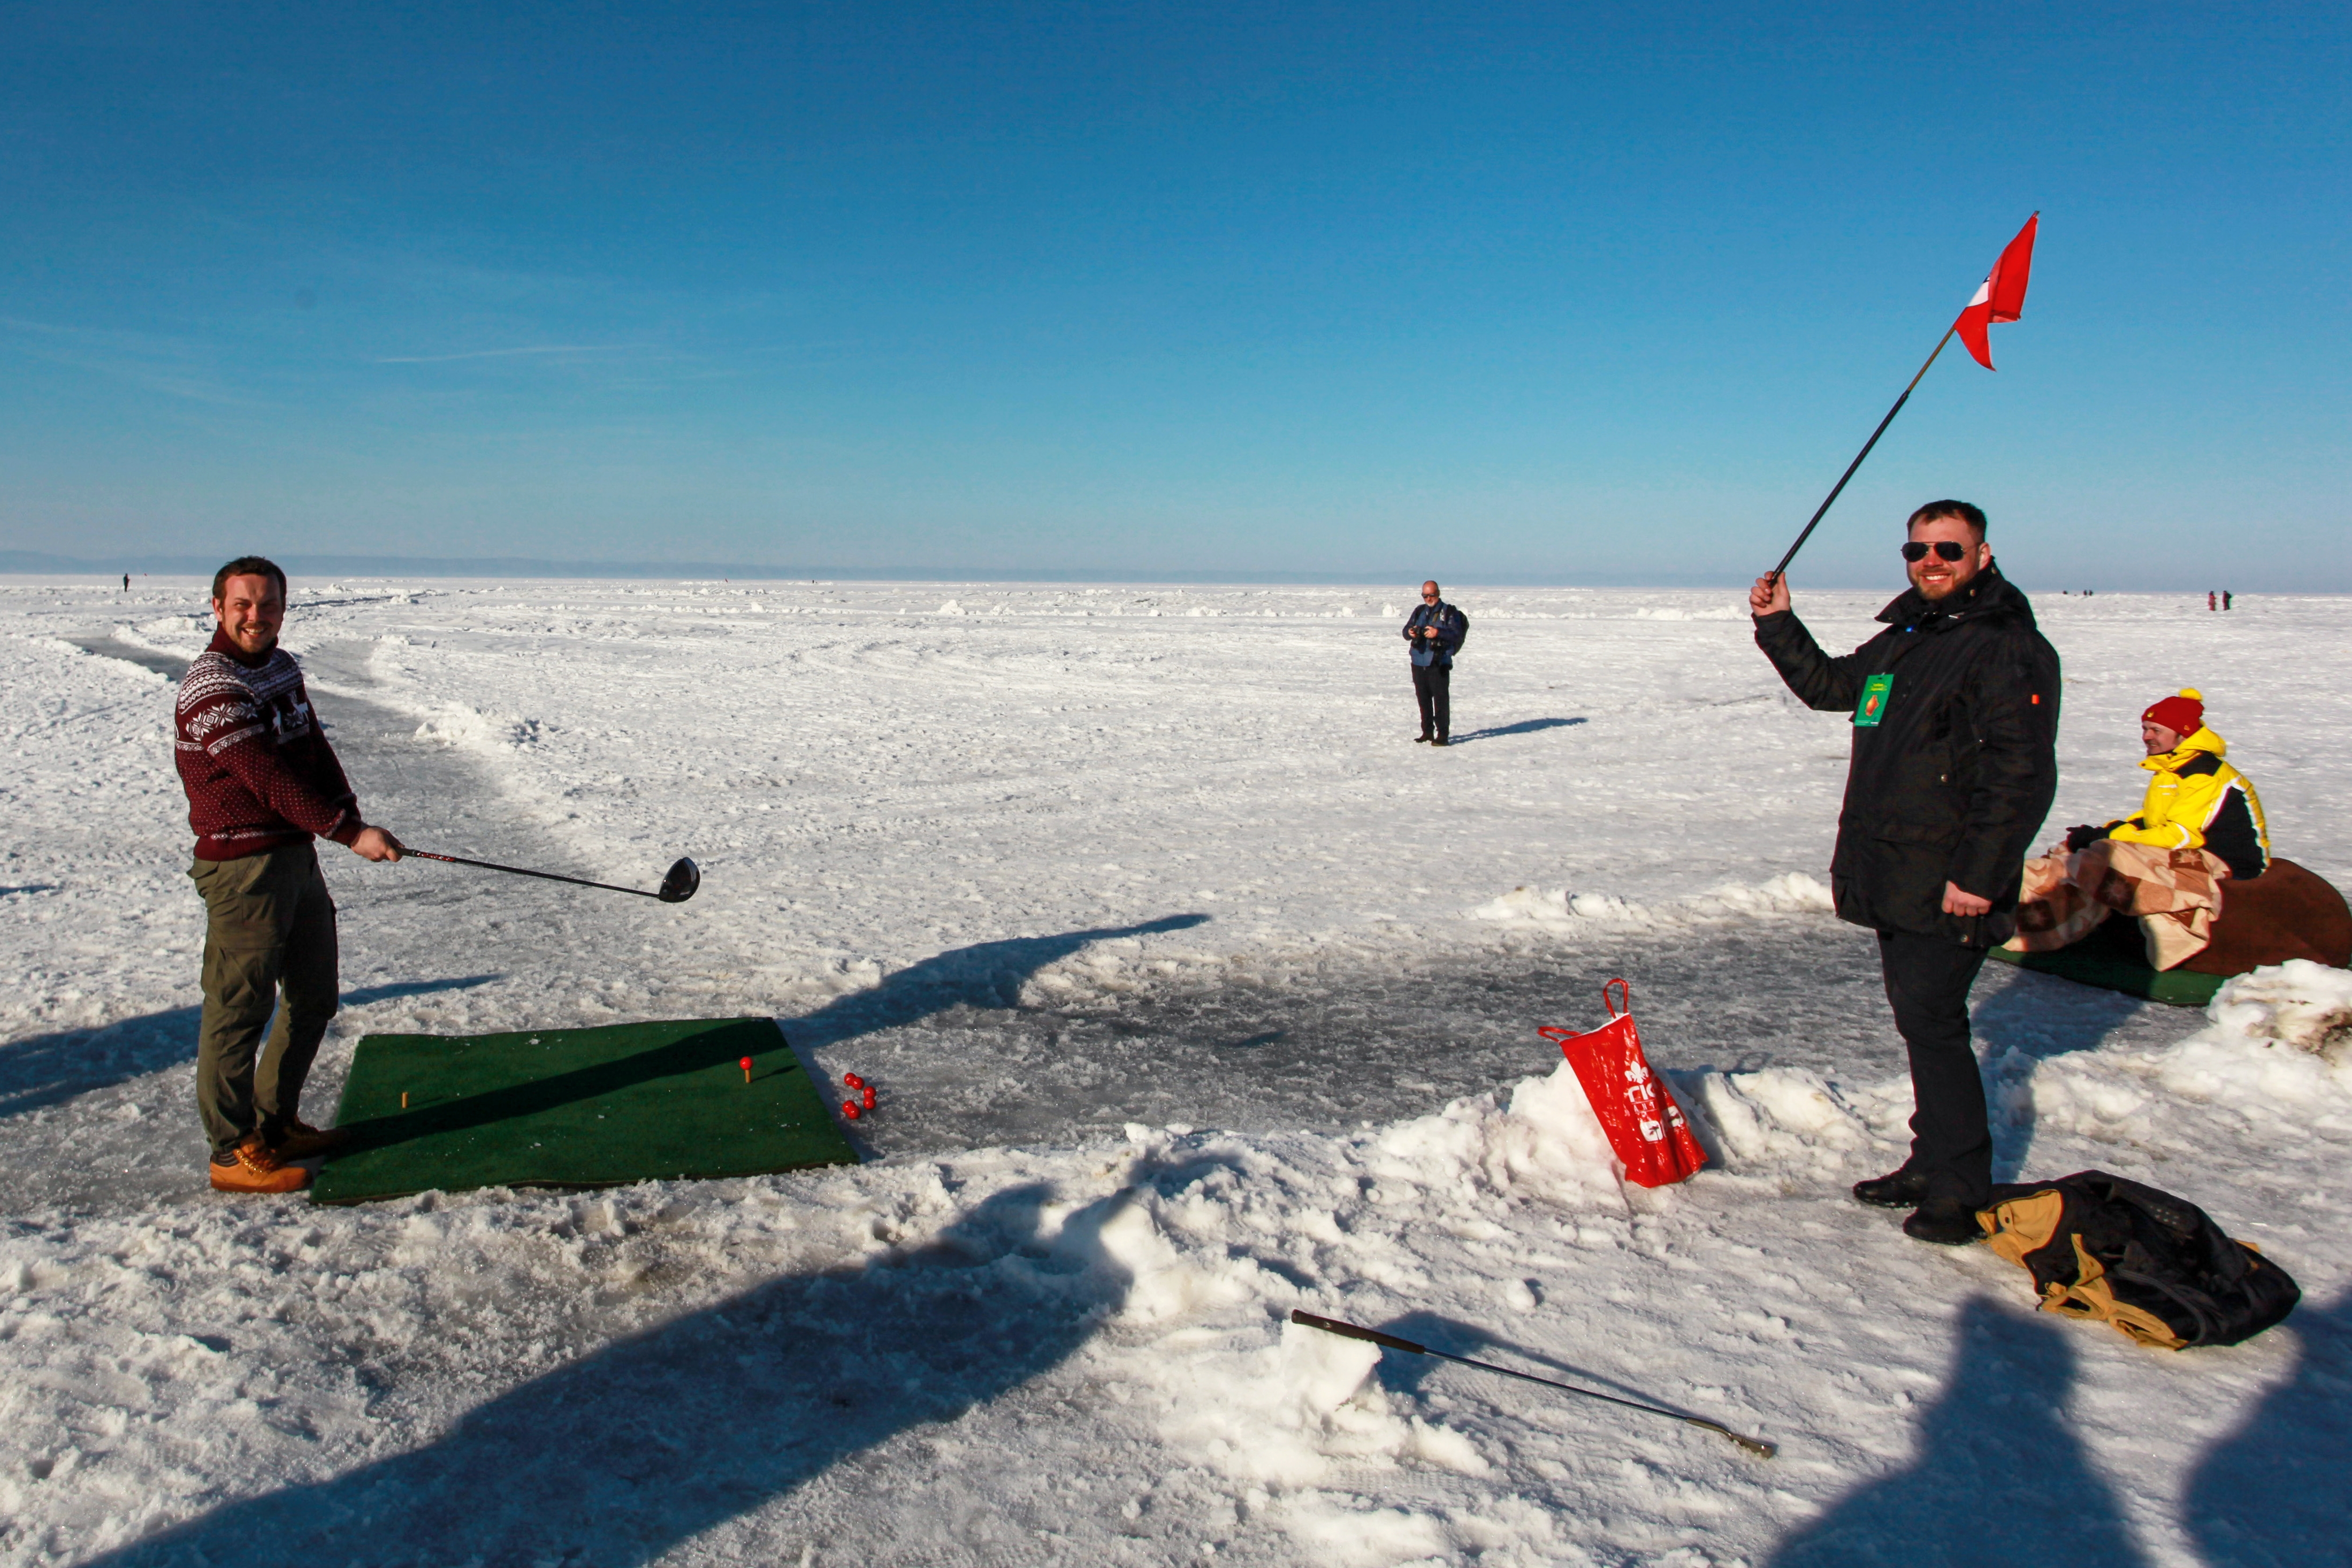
(1194, 992)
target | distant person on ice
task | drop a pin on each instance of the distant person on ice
(1433, 630)
(1955, 709)
(262, 782)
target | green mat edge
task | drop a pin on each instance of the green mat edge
(566, 1184)
(2173, 988)
(569, 1184)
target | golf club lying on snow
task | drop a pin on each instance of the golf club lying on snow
(676, 887)
(1353, 1331)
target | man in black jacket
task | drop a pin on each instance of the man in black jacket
(1955, 761)
(1433, 630)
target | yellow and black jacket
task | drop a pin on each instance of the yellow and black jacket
(2197, 802)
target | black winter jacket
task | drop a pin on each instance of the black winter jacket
(1952, 782)
(1450, 626)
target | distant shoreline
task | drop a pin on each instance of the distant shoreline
(37, 564)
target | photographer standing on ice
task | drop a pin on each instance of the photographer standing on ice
(262, 782)
(1433, 630)
(1955, 761)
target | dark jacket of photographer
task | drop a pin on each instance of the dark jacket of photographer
(1954, 779)
(1446, 621)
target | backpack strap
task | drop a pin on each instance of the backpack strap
(2202, 1309)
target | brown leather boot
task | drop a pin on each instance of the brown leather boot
(298, 1140)
(251, 1167)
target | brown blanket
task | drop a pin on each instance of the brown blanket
(2286, 913)
(2191, 915)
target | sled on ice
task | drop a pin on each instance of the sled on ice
(2288, 912)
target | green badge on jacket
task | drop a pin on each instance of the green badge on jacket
(1873, 705)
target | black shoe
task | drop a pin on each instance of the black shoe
(1905, 1189)
(1422, 737)
(1945, 1222)
(1440, 740)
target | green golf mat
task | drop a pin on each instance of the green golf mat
(2113, 955)
(576, 1107)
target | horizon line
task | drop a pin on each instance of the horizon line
(42, 564)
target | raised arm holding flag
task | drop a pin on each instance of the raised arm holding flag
(2001, 298)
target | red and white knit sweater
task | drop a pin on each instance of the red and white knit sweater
(257, 771)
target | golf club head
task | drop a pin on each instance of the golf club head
(679, 884)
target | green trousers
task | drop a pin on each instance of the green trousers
(269, 927)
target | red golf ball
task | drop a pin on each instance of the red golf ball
(849, 1109)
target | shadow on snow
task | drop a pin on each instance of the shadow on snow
(2268, 1494)
(985, 975)
(1524, 726)
(622, 1454)
(2033, 1017)
(1998, 1479)
(50, 1068)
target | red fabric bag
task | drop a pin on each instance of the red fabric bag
(1645, 1125)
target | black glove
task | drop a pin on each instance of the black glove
(2079, 839)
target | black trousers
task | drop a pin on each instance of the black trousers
(1928, 981)
(1429, 684)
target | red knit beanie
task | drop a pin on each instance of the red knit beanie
(2184, 714)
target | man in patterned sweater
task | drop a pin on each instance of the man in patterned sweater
(262, 783)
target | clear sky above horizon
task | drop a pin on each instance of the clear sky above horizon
(1485, 291)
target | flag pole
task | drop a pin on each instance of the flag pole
(1774, 576)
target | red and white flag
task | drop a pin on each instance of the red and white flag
(2001, 297)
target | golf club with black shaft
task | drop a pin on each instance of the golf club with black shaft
(1355, 1331)
(676, 887)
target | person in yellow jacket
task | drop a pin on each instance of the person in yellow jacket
(2196, 801)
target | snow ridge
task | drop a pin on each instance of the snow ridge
(1791, 893)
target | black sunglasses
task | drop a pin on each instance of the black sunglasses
(1950, 550)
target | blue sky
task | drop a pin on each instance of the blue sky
(1496, 292)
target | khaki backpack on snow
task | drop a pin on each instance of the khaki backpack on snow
(2153, 1265)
